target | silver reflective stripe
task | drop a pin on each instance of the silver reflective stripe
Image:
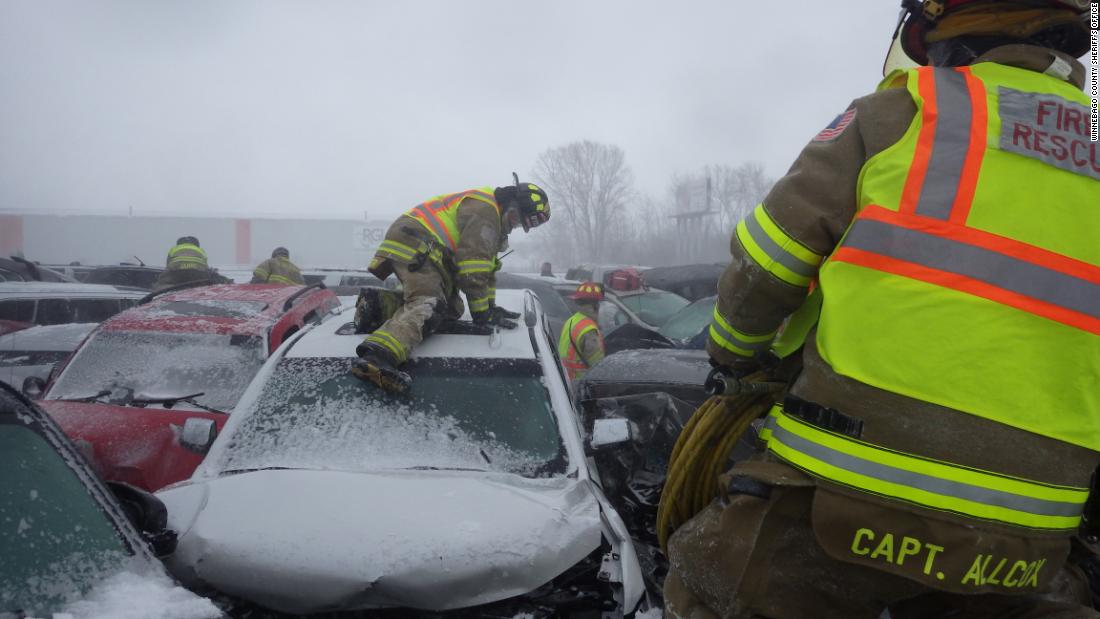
(774, 251)
(736, 341)
(1005, 272)
(949, 145)
(430, 219)
(935, 485)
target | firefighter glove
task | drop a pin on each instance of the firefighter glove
(493, 319)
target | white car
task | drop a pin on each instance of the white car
(57, 303)
(325, 494)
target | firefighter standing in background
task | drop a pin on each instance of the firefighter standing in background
(186, 263)
(278, 269)
(935, 452)
(445, 245)
(580, 345)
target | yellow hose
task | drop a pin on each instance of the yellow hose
(701, 454)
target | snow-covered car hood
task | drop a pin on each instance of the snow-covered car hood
(302, 541)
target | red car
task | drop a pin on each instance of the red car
(147, 391)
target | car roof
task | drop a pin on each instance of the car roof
(53, 290)
(48, 337)
(324, 340)
(244, 309)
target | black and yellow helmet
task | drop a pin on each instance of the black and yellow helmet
(529, 199)
(1058, 24)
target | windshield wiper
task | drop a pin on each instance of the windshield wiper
(87, 398)
(443, 468)
(170, 402)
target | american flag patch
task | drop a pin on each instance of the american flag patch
(835, 128)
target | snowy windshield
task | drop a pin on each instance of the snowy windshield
(460, 414)
(654, 307)
(688, 322)
(159, 365)
(57, 541)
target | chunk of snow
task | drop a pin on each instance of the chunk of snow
(127, 595)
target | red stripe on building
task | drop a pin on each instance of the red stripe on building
(11, 234)
(244, 241)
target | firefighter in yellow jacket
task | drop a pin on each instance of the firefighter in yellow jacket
(187, 263)
(934, 454)
(580, 345)
(278, 269)
(437, 249)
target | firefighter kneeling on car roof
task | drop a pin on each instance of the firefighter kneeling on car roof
(933, 455)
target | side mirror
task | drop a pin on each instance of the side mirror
(148, 515)
(607, 432)
(198, 434)
(34, 387)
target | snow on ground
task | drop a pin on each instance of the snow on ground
(127, 595)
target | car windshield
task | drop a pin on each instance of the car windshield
(58, 543)
(159, 365)
(460, 414)
(655, 307)
(688, 322)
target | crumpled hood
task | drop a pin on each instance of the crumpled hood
(311, 541)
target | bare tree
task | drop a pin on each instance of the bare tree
(589, 185)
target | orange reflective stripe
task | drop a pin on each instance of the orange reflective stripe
(976, 262)
(926, 85)
(580, 328)
(426, 213)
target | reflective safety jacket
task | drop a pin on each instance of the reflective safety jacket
(467, 231)
(186, 256)
(969, 279)
(580, 345)
(277, 270)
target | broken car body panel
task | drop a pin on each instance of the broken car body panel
(355, 525)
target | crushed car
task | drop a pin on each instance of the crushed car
(19, 269)
(145, 394)
(691, 281)
(73, 546)
(470, 496)
(35, 351)
(655, 393)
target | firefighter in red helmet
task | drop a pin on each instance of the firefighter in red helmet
(580, 345)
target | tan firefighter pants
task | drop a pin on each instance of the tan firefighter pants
(425, 293)
(759, 558)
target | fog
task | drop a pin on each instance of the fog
(362, 109)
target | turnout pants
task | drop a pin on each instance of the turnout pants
(747, 557)
(427, 296)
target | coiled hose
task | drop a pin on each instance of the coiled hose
(703, 449)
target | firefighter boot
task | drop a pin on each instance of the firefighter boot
(377, 365)
(374, 307)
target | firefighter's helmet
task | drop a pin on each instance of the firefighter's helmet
(529, 199)
(281, 251)
(588, 291)
(1061, 24)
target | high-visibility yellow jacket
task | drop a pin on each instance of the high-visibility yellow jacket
(186, 256)
(580, 345)
(467, 226)
(277, 270)
(969, 279)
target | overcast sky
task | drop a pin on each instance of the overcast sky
(327, 107)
